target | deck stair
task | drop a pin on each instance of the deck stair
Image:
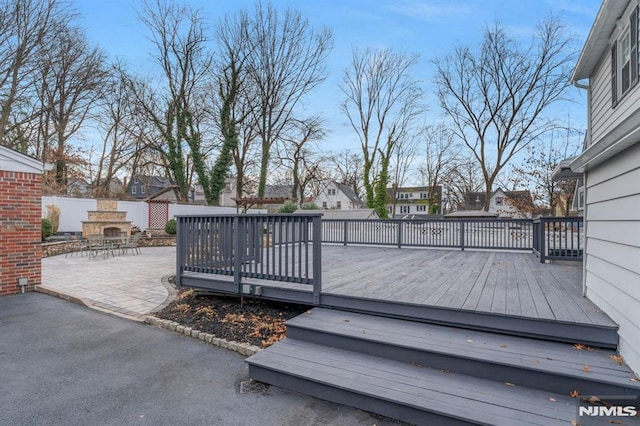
(432, 374)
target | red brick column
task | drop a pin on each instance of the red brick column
(20, 230)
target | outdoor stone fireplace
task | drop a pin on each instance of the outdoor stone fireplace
(106, 221)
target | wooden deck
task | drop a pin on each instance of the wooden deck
(508, 292)
(506, 283)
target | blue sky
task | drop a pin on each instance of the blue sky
(432, 28)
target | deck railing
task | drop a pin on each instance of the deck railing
(558, 238)
(506, 234)
(270, 247)
(288, 247)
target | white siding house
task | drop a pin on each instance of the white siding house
(610, 168)
(337, 196)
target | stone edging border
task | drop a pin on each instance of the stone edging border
(242, 348)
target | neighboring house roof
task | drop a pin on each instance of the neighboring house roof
(167, 194)
(474, 214)
(350, 193)
(475, 200)
(14, 161)
(157, 181)
(277, 191)
(343, 214)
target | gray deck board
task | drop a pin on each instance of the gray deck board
(460, 396)
(483, 281)
(509, 350)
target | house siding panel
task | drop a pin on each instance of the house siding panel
(612, 265)
(604, 118)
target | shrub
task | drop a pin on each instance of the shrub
(47, 229)
(433, 209)
(309, 206)
(288, 207)
(171, 227)
(53, 214)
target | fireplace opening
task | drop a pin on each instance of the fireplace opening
(113, 232)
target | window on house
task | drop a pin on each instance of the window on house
(331, 191)
(421, 208)
(499, 201)
(405, 209)
(133, 189)
(324, 205)
(624, 59)
(338, 204)
(143, 189)
(423, 195)
(135, 179)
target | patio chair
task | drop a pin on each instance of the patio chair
(132, 244)
(99, 244)
(80, 244)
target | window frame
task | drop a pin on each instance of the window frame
(625, 61)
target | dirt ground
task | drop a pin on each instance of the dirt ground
(258, 322)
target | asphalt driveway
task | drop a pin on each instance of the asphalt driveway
(65, 364)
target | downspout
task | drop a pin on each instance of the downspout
(584, 182)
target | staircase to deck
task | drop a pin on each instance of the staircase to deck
(433, 374)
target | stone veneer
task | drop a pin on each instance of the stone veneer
(106, 219)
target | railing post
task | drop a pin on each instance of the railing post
(346, 232)
(317, 258)
(179, 250)
(541, 240)
(462, 235)
(237, 256)
(399, 233)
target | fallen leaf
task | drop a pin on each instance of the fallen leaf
(537, 361)
(446, 371)
(616, 422)
(575, 423)
(578, 346)
(617, 358)
(592, 399)
(469, 340)
(633, 379)
(586, 368)
(346, 321)
(503, 346)
(415, 364)
(509, 384)
(574, 394)
(552, 399)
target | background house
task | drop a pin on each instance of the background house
(608, 68)
(338, 196)
(506, 204)
(20, 221)
(413, 200)
(142, 186)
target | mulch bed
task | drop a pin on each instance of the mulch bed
(254, 321)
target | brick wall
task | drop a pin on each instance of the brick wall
(20, 230)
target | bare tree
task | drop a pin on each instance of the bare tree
(496, 97)
(440, 155)
(116, 124)
(287, 62)
(301, 157)
(536, 170)
(459, 177)
(404, 157)
(381, 103)
(73, 75)
(26, 29)
(348, 168)
(178, 35)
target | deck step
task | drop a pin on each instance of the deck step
(408, 392)
(544, 365)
